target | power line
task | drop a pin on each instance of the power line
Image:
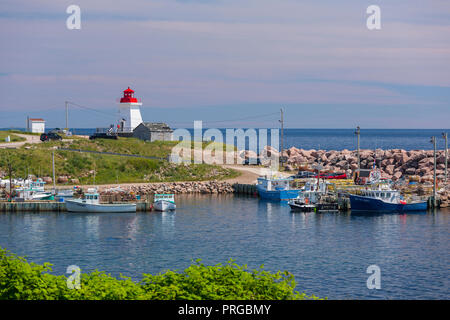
(91, 109)
(247, 118)
(233, 120)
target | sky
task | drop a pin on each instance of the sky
(230, 63)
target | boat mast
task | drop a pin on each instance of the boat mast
(94, 173)
(359, 158)
(433, 141)
(282, 137)
(53, 165)
(67, 116)
(444, 135)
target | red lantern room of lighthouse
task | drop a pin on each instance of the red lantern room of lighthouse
(129, 111)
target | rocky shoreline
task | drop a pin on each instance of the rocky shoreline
(203, 187)
(394, 164)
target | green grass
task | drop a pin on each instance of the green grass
(37, 159)
(13, 137)
(25, 132)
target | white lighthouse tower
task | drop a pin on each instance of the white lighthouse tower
(129, 111)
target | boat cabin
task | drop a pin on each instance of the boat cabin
(38, 184)
(274, 184)
(166, 197)
(92, 196)
(392, 196)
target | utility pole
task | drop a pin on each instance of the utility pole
(444, 135)
(67, 115)
(282, 137)
(53, 165)
(94, 172)
(358, 132)
(10, 173)
(433, 141)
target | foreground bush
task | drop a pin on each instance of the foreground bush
(25, 281)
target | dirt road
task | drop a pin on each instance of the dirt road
(29, 139)
(249, 174)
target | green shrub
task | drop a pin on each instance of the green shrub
(21, 280)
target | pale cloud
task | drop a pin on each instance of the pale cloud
(198, 53)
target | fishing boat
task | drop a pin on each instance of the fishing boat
(309, 196)
(91, 203)
(64, 194)
(379, 196)
(383, 198)
(30, 194)
(33, 190)
(164, 202)
(276, 188)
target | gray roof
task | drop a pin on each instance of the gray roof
(156, 126)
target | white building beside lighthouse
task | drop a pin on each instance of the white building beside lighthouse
(129, 111)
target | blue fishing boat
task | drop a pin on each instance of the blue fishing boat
(384, 199)
(275, 188)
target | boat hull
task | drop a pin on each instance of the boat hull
(302, 207)
(278, 195)
(358, 203)
(78, 206)
(42, 196)
(163, 205)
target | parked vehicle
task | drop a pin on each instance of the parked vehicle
(253, 161)
(332, 176)
(50, 136)
(58, 131)
(304, 174)
(103, 135)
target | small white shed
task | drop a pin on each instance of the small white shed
(36, 125)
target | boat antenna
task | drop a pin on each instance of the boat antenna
(53, 165)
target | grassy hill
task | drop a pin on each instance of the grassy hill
(12, 136)
(37, 159)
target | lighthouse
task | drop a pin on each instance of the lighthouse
(129, 111)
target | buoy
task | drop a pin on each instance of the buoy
(402, 202)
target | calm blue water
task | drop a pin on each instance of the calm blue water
(327, 253)
(339, 139)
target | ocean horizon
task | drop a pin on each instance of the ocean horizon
(339, 139)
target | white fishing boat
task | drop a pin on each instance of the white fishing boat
(29, 194)
(164, 202)
(33, 190)
(91, 203)
(65, 193)
(309, 196)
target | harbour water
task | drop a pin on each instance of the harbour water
(327, 253)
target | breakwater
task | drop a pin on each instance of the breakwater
(411, 166)
(394, 163)
(204, 187)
